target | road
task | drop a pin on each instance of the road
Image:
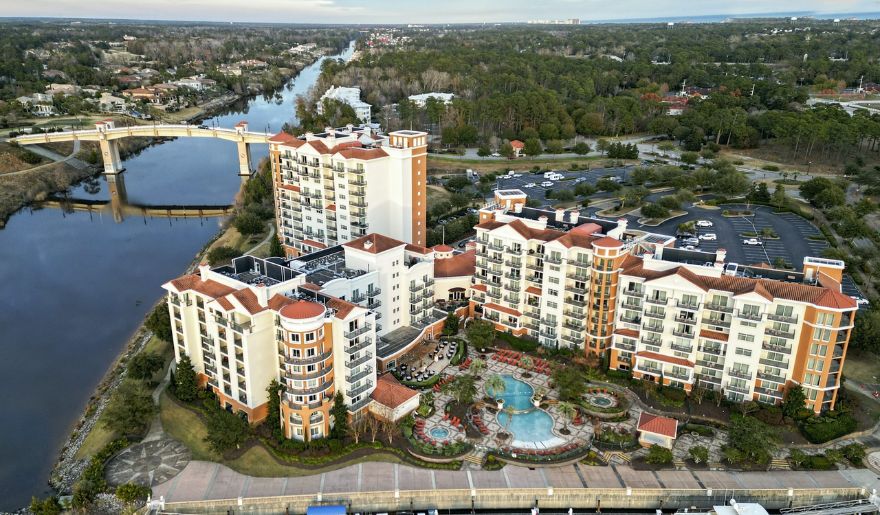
(54, 156)
(471, 153)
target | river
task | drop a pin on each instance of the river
(77, 285)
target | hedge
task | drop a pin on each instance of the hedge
(828, 427)
(517, 343)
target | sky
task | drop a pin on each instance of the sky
(416, 11)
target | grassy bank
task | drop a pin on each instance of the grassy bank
(446, 164)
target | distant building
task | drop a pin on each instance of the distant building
(518, 147)
(422, 99)
(657, 430)
(350, 96)
(66, 89)
(111, 104)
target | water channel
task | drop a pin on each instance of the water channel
(75, 285)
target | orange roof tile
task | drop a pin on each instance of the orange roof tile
(363, 153)
(534, 290)
(248, 300)
(302, 310)
(390, 393)
(632, 333)
(459, 265)
(283, 137)
(313, 243)
(418, 249)
(662, 357)
(608, 242)
(278, 301)
(480, 287)
(658, 425)
(502, 309)
(342, 307)
(517, 144)
(714, 335)
(225, 304)
(442, 248)
(374, 243)
(195, 283)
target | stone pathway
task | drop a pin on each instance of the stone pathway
(148, 463)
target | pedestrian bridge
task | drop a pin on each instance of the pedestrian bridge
(107, 134)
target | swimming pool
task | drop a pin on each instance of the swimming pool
(530, 426)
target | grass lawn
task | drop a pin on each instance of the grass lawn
(258, 462)
(863, 367)
(187, 427)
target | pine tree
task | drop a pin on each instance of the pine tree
(275, 248)
(274, 417)
(340, 417)
(778, 198)
(187, 386)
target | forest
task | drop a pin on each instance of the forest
(554, 84)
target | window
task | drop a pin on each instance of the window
(818, 350)
(743, 337)
(816, 364)
(743, 352)
(820, 334)
(750, 309)
(784, 311)
(825, 319)
(310, 337)
(294, 337)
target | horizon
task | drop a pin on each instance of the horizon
(456, 12)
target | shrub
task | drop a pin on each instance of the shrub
(130, 493)
(699, 429)
(699, 454)
(225, 430)
(159, 322)
(248, 223)
(144, 365)
(130, 409)
(518, 343)
(47, 506)
(833, 424)
(659, 455)
(222, 254)
(854, 452)
(654, 211)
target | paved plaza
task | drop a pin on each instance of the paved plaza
(202, 480)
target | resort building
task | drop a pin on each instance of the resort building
(319, 324)
(349, 96)
(344, 183)
(678, 317)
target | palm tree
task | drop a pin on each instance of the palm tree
(568, 411)
(509, 411)
(526, 362)
(495, 386)
(477, 366)
(463, 389)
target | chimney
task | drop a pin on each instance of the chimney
(543, 219)
(621, 224)
(560, 214)
(203, 269)
(310, 136)
(720, 257)
(368, 244)
(517, 207)
(349, 128)
(262, 294)
(574, 215)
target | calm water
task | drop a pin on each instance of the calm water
(76, 285)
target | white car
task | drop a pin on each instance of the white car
(861, 301)
(496, 154)
(517, 175)
(709, 236)
(530, 185)
(546, 184)
(752, 241)
(704, 223)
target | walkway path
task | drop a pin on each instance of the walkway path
(70, 159)
(202, 480)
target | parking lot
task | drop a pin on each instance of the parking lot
(539, 192)
(794, 240)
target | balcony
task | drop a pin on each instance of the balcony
(353, 378)
(681, 376)
(574, 289)
(374, 292)
(838, 352)
(531, 313)
(308, 360)
(548, 335)
(657, 300)
(310, 391)
(625, 346)
(304, 376)
(742, 374)
(719, 307)
(357, 406)
(635, 319)
(714, 365)
(685, 320)
(709, 379)
(776, 348)
(657, 328)
(716, 322)
(693, 306)
(654, 314)
(631, 305)
(750, 316)
(573, 326)
(779, 333)
(360, 389)
(649, 370)
(768, 391)
(765, 377)
(574, 302)
(354, 333)
(715, 351)
(374, 303)
(681, 348)
(634, 293)
(682, 334)
(493, 295)
(570, 338)
(366, 358)
(655, 341)
(553, 260)
(738, 389)
(577, 276)
(781, 318)
(352, 349)
(774, 363)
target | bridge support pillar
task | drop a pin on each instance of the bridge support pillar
(244, 159)
(110, 154)
(118, 196)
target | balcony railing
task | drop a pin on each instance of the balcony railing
(781, 318)
(776, 348)
(652, 341)
(657, 300)
(634, 293)
(710, 364)
(681, 348)
(622, 345)
(685, 320)
(354, 333)
(363, 344)
(742, 374)
(764, 376)
(310, 391)
(716, 322)
(750, 316)
(774, 363)
(716, 351)
(779, 333)
(307, 360)
(353, 378)
(635, 319)
(654, 314)
(719, 307)
(682, 334)
(649, 370)
(360, 389)
(768, 391)
(693, 306)
(738, 389)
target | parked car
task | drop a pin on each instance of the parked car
(684, 235)
(530, 185)
(691, 241)
(203, 127)
(704, 223)
(517, 175)
(752, 241)
(709, 236)
(861, 301)
(496, 154)
(546, 184)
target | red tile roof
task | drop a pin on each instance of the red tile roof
(770, 289)
(608, 242)
(459, 265)
(285, 138)
(313, 243)
(658, 425)
(517, 144)
(374, 243)
(442, 248)
(302, 310)
(569, 239)
(662, 357)
(342, 307)
(195, 283)
(363, 153)
(390, 393)
(632, 333)
(248, 300)
(480, 287)
(502, 309)
(714, 335)
(418, 249)
(534, 290)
